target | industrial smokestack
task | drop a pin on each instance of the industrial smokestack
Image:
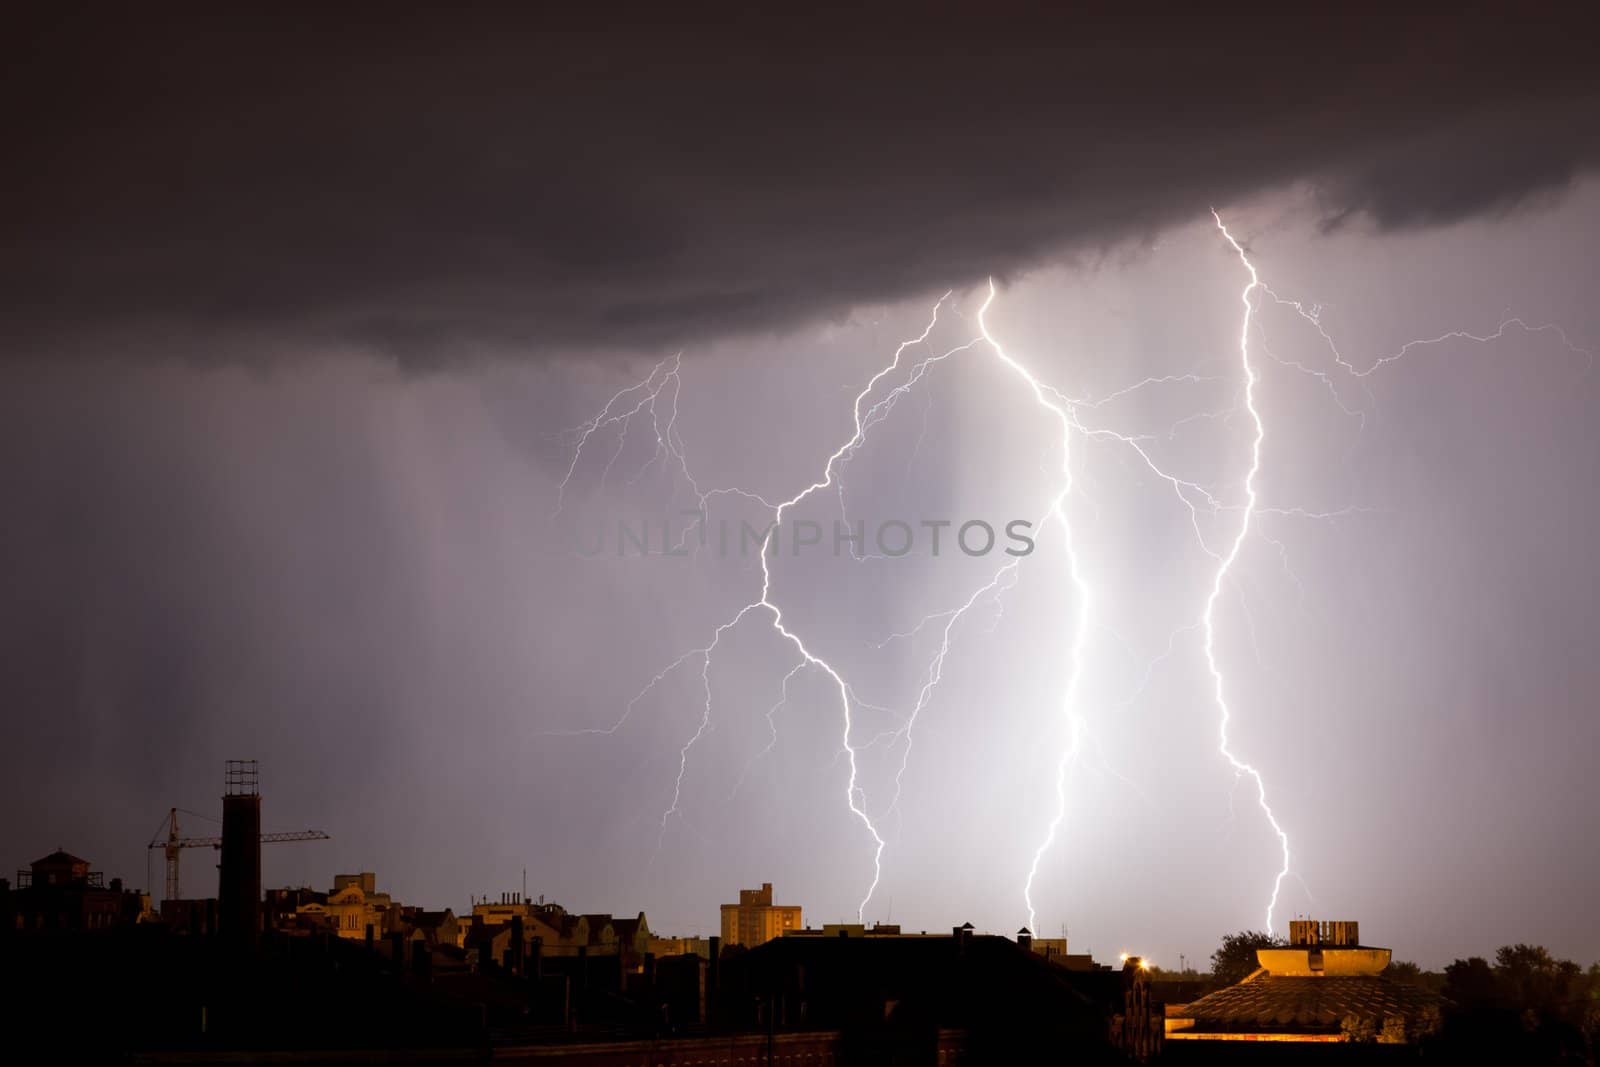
(239, 892)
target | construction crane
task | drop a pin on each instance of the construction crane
(174, 844)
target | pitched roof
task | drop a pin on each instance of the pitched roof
(1307, 1002)
(59, 857)
(568, 925)
(479, 933)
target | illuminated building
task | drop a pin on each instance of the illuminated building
(352, 905)
(755, 920)
(558, 931)
(1323, 987)
(1054, 949)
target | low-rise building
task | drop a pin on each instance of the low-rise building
(662, 947)
(1323, 987)
(559, 932)
(280, 908)
(353, 904)
(859, 930)
(433, 928)
(918, 998)
(1054, 949)
(60, 892)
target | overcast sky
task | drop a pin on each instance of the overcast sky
(301, 317)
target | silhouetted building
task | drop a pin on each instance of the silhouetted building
(432, 928)
(190, 915)
(1324, 987)
(662, 947)
(918, 998)
(755, 920)
(239, 891)
(488, 944)
(281, 909)
(1054, 949)
(60, 892)
(855, 930)
(632, 939)
(558, 932)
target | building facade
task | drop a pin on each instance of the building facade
(1324, 987)
(560, 933)
(351, 906)
(436, 929)
(755, 920)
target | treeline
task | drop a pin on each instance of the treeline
(1525, 1007)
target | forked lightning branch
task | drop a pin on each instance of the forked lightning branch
(651, 406)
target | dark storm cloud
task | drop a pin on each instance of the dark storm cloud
(432, 185)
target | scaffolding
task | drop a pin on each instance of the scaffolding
(241, 778)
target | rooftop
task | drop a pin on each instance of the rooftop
(1264, 1001)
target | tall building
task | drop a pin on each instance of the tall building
(239, 893)
(755, 920)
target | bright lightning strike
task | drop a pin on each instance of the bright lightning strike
(645, 401)
(854, 796)
(1052, 402)
(1209, 617)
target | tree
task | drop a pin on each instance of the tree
(1471, 984)
(1529, 1007)
(1236, 958)
(1534, 979)
(1404, 972)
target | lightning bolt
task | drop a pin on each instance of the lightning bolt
(855, 798)
(1208, 618)
(772, 726)
(936, 671)
(659, 391)
(643, 397)
(1056, 405)
(649, 391)
(1313, 314)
